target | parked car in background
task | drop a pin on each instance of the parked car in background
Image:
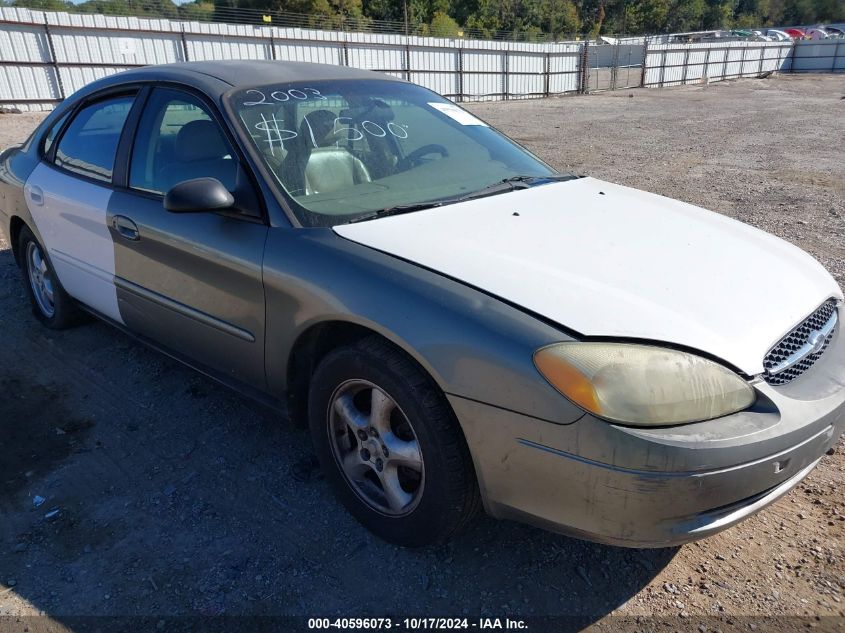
(833, 31)
(458, 323)
(816, 33)
(796, 34)
(716, 36)
(778, 35)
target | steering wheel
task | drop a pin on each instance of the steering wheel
(416, 157)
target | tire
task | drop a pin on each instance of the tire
(50, 303)
(426, 454)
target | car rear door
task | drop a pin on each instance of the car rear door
(68, 193)
(192, 283)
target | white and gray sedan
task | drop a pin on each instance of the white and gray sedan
(460, 325)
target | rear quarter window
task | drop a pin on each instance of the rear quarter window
(50, 138)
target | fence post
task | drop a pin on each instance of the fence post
(645, 63)
(792, 60)
(272, 45)
(762, 54)
(584, 76)
(686, 66)
(704, 71)
(614, 66)
(742, 62)
(506, 87)
(460, 82)
(546, 74)
(663, 66)
(53, 59)
(835, 56)
(184, 45)
(407, 61)
(345, 53)
(725, 62)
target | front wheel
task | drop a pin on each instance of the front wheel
(390, 445)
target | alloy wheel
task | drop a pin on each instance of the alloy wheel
(375, 446)
(40, 279)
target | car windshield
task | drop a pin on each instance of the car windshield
(349, 150)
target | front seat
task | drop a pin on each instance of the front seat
(200, 151)
(329, 167)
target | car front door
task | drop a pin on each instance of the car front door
(190, 282)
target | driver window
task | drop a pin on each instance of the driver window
(179, 140)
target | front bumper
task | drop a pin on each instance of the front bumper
(656, 487)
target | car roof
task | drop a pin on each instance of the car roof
(215, 78)
(252, 72)
(257, 72)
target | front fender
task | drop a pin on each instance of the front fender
(473, 345)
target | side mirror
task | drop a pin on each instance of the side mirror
(197, 196)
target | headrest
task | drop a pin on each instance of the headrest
(320, 123)
(374, 110)
(200, 140)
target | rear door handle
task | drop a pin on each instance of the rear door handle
(36, 195)
(126, 228)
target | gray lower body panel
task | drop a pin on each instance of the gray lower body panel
(540, 473)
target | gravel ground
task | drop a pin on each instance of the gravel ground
(175, 496)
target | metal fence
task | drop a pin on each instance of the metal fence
(819, 56)
(678, 64)
(613, 67)
(211, 12)
(46, 56)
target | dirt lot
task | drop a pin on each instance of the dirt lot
(177, 497)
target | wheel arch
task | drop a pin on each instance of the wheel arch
(16, 225)
(317, 340)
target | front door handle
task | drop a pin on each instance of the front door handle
(126, 228)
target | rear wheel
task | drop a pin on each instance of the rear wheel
(50, 303)
(390, 445)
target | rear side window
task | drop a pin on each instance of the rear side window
(179, 140)
(89, 144)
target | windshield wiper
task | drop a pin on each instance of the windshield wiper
(538, 179)
(512, 183)
(400, 209)
(503, 186)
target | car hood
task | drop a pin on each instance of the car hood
(607, 260)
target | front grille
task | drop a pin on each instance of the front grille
(789, 347)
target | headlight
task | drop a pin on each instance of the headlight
(642, 385)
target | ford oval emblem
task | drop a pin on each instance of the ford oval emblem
(816, 340)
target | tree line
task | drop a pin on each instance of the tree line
(520, 19)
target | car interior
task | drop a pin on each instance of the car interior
(177, 140)
(316, 150)
(345, 149)
(197, 150)
(89, 144)
(317, 163)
